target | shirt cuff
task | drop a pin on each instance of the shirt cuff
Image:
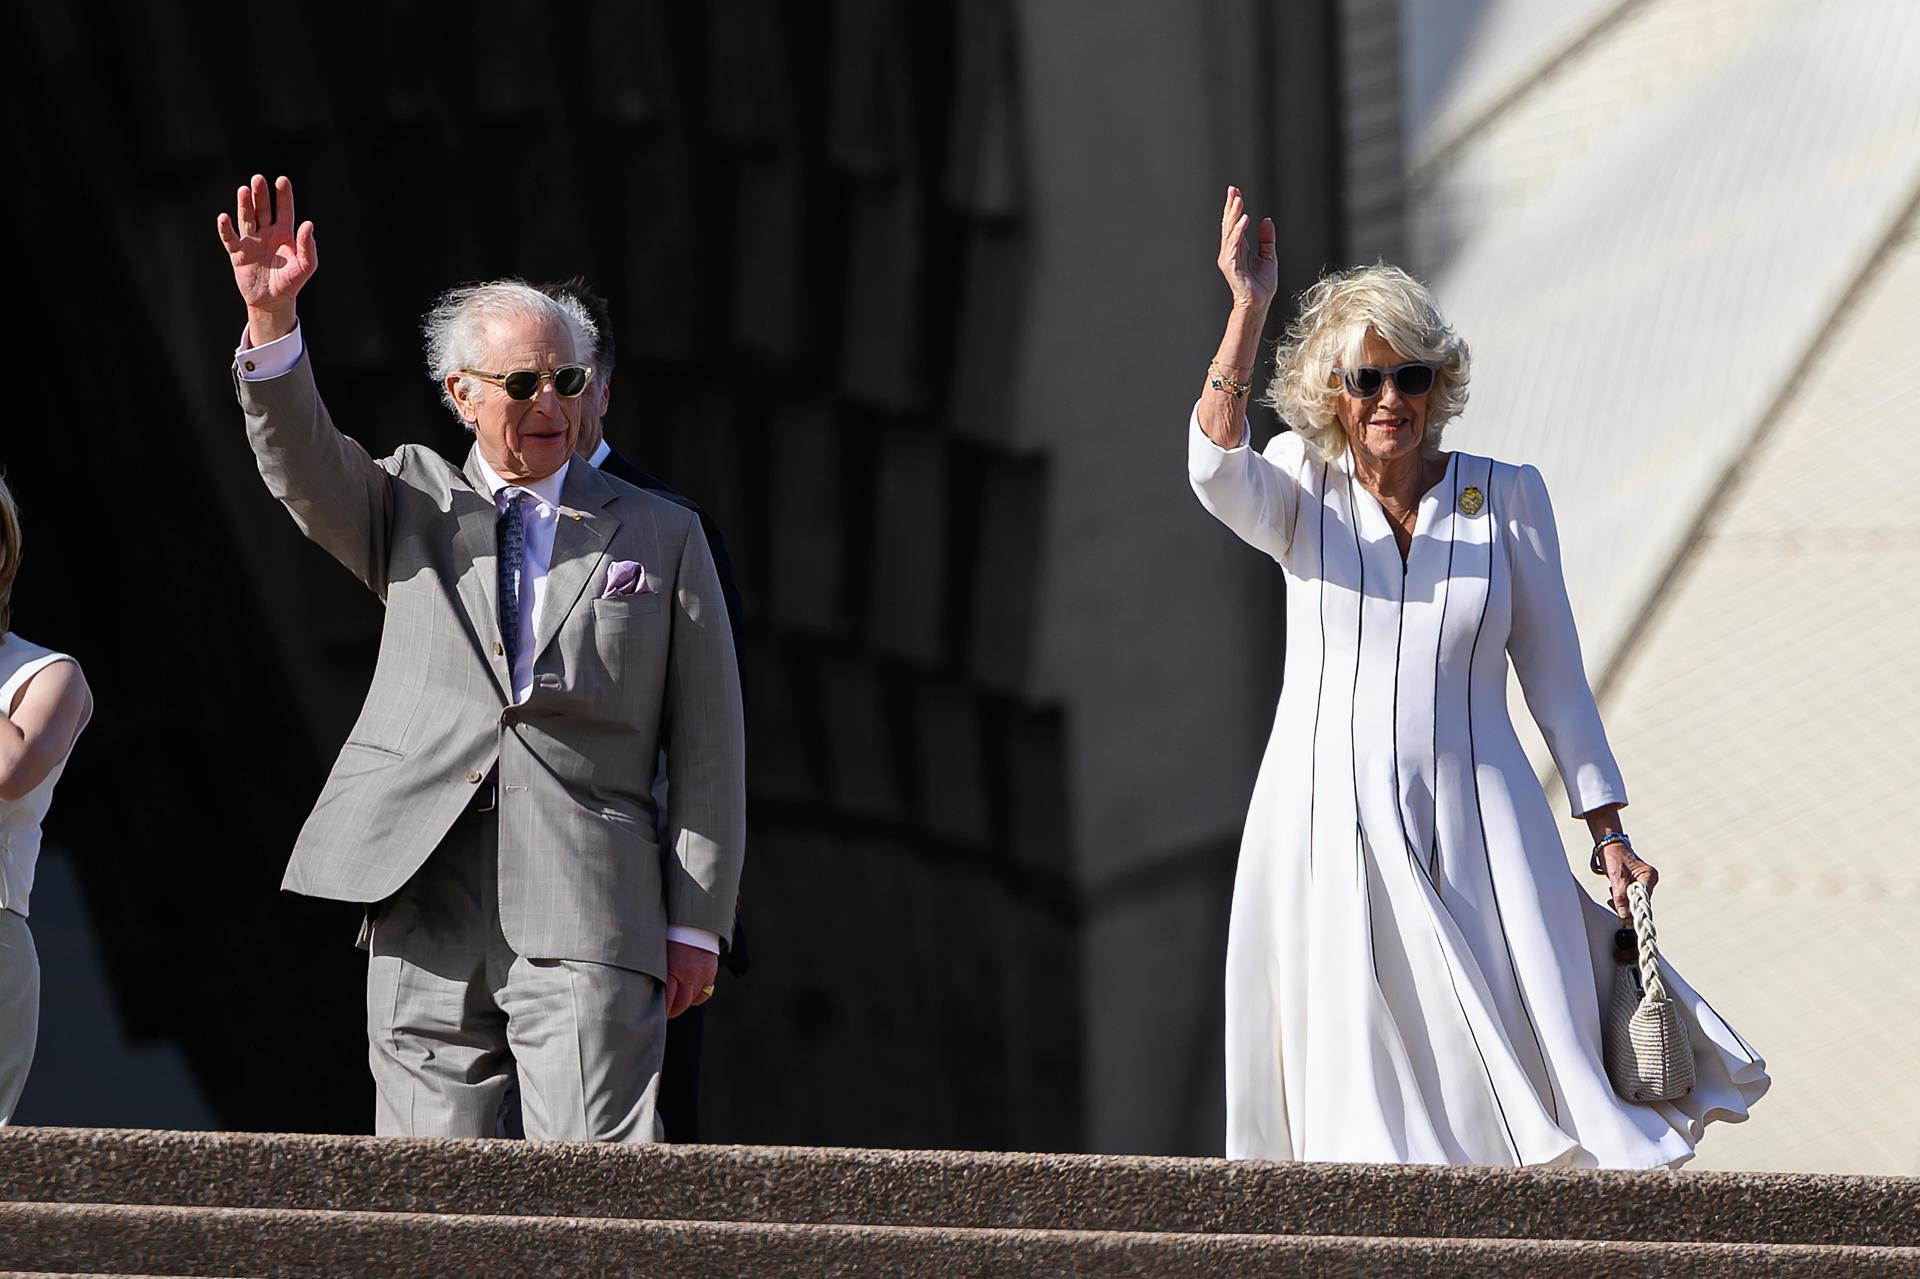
(705, 939)
(259, 363)
(1592, 786)
(1205, 459)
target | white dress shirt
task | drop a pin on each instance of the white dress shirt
(277, 357)
(542, 517)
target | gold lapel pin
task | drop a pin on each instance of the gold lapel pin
(575, 514)
(1471, 500)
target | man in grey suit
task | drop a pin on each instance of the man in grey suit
(549, 631)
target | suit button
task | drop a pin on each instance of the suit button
(473, 775)
(499, 649)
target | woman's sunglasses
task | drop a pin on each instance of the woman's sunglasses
(523, 384)
(1409, 379)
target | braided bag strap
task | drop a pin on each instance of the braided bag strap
(1646, 942)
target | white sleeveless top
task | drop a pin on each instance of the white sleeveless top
(20, 819)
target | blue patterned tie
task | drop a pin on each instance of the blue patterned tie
(511, 533)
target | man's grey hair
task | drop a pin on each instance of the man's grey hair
(1331, 331)
(459, 326)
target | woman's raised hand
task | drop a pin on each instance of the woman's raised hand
(1251, 266)
(272, 261)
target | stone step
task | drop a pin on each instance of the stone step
(947, 1190)
(296, 1243)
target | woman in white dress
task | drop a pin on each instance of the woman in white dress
(44, 703)
(1413, 975)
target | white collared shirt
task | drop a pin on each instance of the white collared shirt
(276, 358)
(542, 517)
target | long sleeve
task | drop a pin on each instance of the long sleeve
(1254, 494)
(339, 496)
(1545, 649)
(706, 750)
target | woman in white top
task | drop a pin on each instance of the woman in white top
(44, 703)
(1413, 976)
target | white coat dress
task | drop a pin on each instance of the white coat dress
(1413, 973)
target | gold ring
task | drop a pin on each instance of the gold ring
(707, 991)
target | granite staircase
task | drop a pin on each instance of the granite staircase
(100, 1202)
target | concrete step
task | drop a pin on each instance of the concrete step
(298, 1243)
(947, 1190)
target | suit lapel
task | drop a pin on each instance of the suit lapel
(580, 540)
(477, 560)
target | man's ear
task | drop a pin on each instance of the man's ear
(604, 390)
(457, 387)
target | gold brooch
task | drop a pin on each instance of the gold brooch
(1471, 500)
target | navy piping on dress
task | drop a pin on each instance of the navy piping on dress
(1745, 1046)
(1492, 1090)
(1366, 898)
(1320, 687)
(1399, 638)
(1479, 816)
(1353, 706)
(1439, 641)
(1359, 650)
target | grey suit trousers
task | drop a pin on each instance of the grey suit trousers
(453, 1014)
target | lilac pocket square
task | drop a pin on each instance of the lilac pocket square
(626, 577)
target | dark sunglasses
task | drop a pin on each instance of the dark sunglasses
(1409, 379)
(523, 384)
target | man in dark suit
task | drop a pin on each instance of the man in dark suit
(680, 1074)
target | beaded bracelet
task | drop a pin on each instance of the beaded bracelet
(1221, 382)
(1611, 837)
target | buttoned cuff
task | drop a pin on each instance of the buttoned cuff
(260, 363)
(700, 937)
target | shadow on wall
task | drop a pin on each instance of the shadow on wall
(87, 1072)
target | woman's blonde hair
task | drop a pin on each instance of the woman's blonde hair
(1334, 316)
(9, 553)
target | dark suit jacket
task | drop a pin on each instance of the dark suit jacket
(618, 465)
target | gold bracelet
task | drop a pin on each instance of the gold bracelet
(1219, 381)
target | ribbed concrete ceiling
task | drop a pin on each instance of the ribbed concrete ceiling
(1644, 245)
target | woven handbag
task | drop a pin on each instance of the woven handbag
(1649, 1052)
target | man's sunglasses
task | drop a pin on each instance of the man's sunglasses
(523, 384)
(1409, 379)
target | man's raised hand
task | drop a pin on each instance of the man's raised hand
(272, 261)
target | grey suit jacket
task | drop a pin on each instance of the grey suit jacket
(615, 681)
